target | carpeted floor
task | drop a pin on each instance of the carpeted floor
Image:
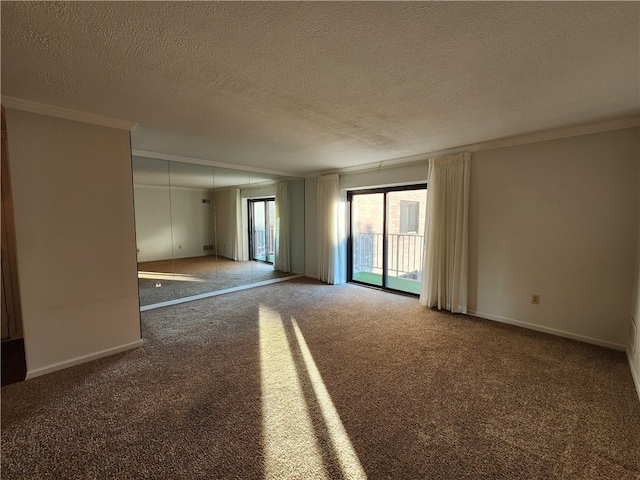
(304, 380)
(184, 277)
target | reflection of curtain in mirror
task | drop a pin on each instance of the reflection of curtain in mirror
(238, 253)
(283, 228)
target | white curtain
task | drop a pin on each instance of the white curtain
(238, 252)
(444, 283)
(282, 261)
(332, 256)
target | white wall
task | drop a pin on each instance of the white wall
(173, 223)
(73, 201)
(192, 222)
(259, 191)
(223, 223)
(406, 174)
(556, 218)
(153, 223)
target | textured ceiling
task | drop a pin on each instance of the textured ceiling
(304, 87)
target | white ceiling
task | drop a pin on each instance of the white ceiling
(306, 87)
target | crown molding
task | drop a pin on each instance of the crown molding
(574, 131)
(69, 114)
(209, 163)
(546, 135)
(66, 113)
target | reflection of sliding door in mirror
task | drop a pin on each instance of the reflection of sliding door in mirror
(262, 229)
(271, 210)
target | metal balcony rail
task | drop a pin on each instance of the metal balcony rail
(264, 242)
(404, 256)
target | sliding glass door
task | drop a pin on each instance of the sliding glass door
(367, 238)
(387, 237)
(261, 229)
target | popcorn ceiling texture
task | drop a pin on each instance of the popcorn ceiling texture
(309, 86)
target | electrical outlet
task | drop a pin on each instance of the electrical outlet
(535, 299)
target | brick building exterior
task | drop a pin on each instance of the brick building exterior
(405, 229)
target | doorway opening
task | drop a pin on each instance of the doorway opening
(386, 237)
(262, 229)
(12, 352)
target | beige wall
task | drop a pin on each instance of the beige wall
(75, 238)
(557, 218)
(634, 356)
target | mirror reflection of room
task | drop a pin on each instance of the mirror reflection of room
(203, 229)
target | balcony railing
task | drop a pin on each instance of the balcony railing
(404, 256)
(264, 243)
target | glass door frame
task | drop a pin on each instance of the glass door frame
(385, 239)
(250, 203)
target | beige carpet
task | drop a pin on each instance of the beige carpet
(185, 277)
(305, 380)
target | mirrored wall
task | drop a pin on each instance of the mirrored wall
(202, 229)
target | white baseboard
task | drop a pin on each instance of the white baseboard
(634, 374)
(83, 359)
(315, 277)
(552, 331)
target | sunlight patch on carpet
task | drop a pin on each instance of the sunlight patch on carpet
(291, 450)
(343, 449)
(169, 276)
(291, 445)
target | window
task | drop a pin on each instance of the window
(409, 216)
